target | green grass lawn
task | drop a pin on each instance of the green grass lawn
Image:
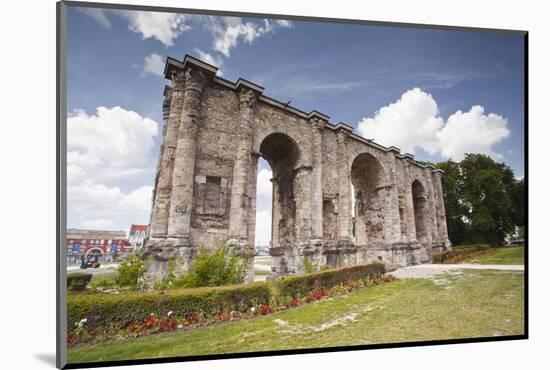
(471, 304)
(502, 256)
(261, 272)
(103, 276)
(264, 260)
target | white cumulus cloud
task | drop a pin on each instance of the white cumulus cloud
(229, 31)
(472, 132)
(110, 163)
(154, 65)
(413, 122)
(165, 27)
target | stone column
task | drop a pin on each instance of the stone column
(184, 164)
(302, 198)
(409, 205)
(163, 187)
(392, 220)
(240, 201)
(252, 184)
(442, 214)
(432, 224)
(344, 190)
(251, 215)
(317, 126)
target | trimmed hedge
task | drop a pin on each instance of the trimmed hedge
(78, 280)
(296, 286)
(120, 310)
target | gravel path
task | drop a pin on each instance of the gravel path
(429, 270)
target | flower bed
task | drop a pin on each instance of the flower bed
(102, 316)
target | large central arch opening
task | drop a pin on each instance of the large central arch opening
(366, 180)
(280, 154)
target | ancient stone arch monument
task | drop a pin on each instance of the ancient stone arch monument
(205, 186)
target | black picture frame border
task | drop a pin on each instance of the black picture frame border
(61, 185)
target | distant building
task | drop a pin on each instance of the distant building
(97, 241)
(138, 233)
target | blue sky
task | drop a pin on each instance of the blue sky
(434, 93)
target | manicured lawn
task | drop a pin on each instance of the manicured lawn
(261, 272)
(470, 304)
(263, 260)
(103, 276)
(502, 256)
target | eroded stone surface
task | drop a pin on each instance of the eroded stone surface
(205, 185)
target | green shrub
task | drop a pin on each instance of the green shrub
(210, 268)
(309, 267)
(296, 286)
(77, 281)
(130, 273)
(215, 268)
(110, 310)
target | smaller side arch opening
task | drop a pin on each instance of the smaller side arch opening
(420, 210)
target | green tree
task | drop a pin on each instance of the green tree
(454, 208)
(485, 193)
(483, 201)
(517, 196)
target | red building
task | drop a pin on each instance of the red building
(97, 241)
(138, 233)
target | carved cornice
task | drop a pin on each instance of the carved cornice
(195, 79)
(247, 98)
(178, 82)
(317, 123)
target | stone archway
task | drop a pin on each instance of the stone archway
(205, 184)
(282, 154)
(367, 178)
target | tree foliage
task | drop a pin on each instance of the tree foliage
(483, 201)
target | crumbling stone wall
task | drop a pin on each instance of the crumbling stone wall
(205, 184)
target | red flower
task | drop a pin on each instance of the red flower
(265, 309)
(150, 321)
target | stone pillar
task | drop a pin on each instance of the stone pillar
(409, 205)
(442, 214)
(163, 186)
(251, 216)
(317, 127)
(392, 226)
(302, 197)
(252, 184)
(240, 200)
(432, 197)
(344, 191)
(184, 164)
